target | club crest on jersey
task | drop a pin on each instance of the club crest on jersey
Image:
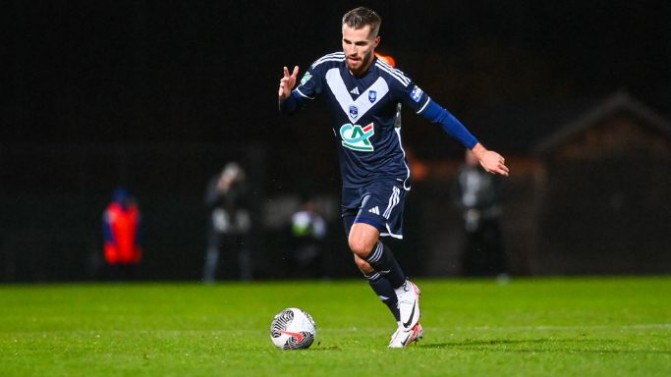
(372, 96)
(416, 93)
(353, 111)
(356, 137)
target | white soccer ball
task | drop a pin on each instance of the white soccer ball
(293, 328)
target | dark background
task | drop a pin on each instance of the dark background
(174, 89)
(102, 71)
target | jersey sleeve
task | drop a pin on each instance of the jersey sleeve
(408, 93)
(308, 88)
(413, 96)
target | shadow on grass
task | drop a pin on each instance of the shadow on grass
(540, 345)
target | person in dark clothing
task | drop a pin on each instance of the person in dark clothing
(229, 225)
(479, 199)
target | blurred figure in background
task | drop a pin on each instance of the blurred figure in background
(308, 229)
(122, 234)
(479, 199)
(229, 225)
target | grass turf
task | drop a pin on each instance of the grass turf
(528, 327)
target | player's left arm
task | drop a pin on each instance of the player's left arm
(491, 161)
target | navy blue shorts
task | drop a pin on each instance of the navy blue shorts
(379, 203)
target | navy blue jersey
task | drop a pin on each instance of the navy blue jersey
(366, 113)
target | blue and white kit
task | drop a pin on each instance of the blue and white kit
(366, 112)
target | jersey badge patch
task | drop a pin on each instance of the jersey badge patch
(372, 96)
(353, 111)
(306, 77)
(356, 137)
(416, 93)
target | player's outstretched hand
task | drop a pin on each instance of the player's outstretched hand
(491, 161)
(287, 83)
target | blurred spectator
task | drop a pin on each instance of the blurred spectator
(122, 233)
(479, 199)
(308, 229)
(229, 226)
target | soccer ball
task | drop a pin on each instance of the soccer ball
(293, 328)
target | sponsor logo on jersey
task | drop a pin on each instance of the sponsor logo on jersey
(416, 93)
(355, 90)
(353, 111)
(356, 137)
(306, 77)
(372, 96)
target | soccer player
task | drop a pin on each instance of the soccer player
(365, 95)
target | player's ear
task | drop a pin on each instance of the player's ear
(376, 41)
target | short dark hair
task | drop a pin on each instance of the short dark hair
(362, 16)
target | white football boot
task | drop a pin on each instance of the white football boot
(402, 337)
(408, 304)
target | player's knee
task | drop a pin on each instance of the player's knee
(362, 239)
(363, 266)
(360, 247)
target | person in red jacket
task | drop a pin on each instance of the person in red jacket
(122, 235)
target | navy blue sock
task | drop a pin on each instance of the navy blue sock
(384, 262)
(385, 292)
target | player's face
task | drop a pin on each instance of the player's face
(359, 47)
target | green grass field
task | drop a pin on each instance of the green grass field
(528, 327)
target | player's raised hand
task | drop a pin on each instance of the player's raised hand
(491, 161)
(287, 83)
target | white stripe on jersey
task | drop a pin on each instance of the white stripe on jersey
(424, 106)
(336, 56)
(362, 103)
(395, 73)
(399, 76)
(302, 94)
(384, 62)
(340, 56)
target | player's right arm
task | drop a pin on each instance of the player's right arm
(287, 84)
(293, 93)
(286, 100)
